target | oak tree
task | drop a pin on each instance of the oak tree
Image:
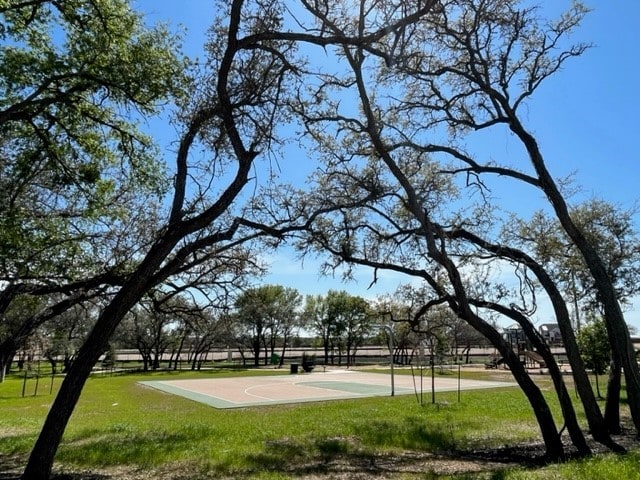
(232, 117)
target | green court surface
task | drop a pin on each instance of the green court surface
(239, 392)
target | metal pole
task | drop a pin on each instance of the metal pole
(433, 377)
(35, 393)
(389, 331)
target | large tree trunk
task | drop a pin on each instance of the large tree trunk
(617, 329)
(437, 252)
(41, 459)
(596, 422)
(597, 426)
(460, 304)
(550, 435)
(568, 412)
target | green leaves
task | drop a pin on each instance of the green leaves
(594, 345)
(76, 78)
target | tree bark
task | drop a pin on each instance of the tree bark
(617, 329)
(542, 412)
(40, 461)
(566, 405)
(461, 305)
(596, 422)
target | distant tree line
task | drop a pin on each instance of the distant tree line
(262, 324)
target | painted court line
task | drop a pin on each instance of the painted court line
(238, 392)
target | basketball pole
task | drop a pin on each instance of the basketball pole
(389, 330)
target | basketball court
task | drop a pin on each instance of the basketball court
(239, 392)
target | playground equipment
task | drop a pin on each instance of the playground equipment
(534, 357)
(494, 362)
(30, 373)
(529, 358)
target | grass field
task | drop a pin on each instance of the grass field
(125, 430)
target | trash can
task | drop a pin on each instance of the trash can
(294, 368)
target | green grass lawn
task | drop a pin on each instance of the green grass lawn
(121, 424)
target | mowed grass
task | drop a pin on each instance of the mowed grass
(120, 423)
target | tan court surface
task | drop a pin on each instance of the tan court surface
(310, 387)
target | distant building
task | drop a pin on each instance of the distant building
(551, 333)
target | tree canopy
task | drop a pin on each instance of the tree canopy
(80, 183)
(91, 209)
(269, 315)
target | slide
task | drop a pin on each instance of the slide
(535, 357)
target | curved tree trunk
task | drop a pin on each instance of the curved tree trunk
(568, 412)
(593, 414)
(550, 435)
(40, 461)
(616, 326)
(564, 398)
(596, 422)
(461, 305)
(437, 252)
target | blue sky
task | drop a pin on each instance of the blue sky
(586, 119)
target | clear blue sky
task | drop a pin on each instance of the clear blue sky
(586, 119)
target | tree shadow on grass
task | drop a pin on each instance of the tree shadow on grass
(296, 458)
(346, 457)
(14, 450)
(411, 447)
(11, 466)
(125, 445)
(375, 450)
(412, 434)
